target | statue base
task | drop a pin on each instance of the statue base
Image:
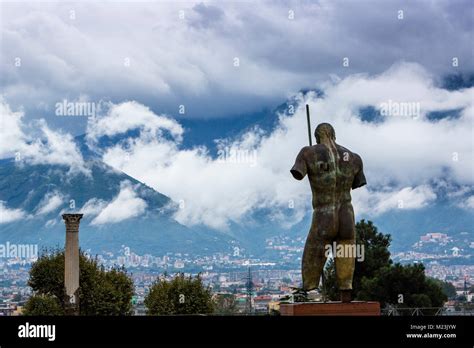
(354, 308)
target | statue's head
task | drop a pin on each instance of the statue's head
(324, 132)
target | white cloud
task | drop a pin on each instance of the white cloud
(55, 148)
(9, 215)
(49, 203)
(468, 203)
(373, 203)
(36, 143)
(51, 223)
(128, 116)
(402, 148)
(402, 153)
(125, 206)
(11, 134)
(93, 207)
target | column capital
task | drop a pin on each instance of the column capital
(72, 222)
(74, 218)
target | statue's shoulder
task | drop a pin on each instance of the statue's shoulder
(356, 158)
(315, 150)
(319, 148)
(308, 150)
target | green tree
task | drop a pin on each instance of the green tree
(181, 295)
(43, 305)
(377, 279)
(376, 256)
(225, 304)
(101, 291)
(448, 288)
(376, 253)
(402, 286)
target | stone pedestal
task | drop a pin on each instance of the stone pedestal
(355, 308)
(71, 263)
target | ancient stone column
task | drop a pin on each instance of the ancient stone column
(71, 263)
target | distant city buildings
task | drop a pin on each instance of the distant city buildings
(435, 238)
(274, 273)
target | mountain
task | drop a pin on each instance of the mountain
(204, 132)
(155, 231)
(406, 227)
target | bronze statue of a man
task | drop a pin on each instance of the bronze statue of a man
(332, 171)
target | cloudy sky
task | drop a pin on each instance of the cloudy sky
(144, 62)
(166, 54)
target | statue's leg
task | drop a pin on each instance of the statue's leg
(345, 264)
(313, 261)
(314, 254)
